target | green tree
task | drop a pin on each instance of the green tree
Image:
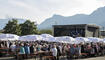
(12, 27)
(1, 31)
(45, 32)
(28, 27)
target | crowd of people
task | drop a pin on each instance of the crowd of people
(57, 49)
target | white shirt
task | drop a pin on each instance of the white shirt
(54, 51)
(7, 44)
(13, 47)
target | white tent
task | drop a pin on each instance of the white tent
(82, 39)
(65, 39)
(94, 39)
(30, 38)
(103, 40)
(50, 39)
(10, 37)
(46, 35)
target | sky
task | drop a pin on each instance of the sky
(39, 10)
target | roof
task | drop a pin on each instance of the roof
(83, 25)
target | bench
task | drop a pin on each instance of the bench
(48, 57)
(84, 55)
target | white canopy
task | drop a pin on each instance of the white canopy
(46, 35)
(30, 38)
(104, 40)
(94, 39)
(82, 39)
(65, 39)
(10, 37)
(50, 39)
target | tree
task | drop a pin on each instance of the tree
(28, 27)
(1, 31)
(12, 27)
(45, 32)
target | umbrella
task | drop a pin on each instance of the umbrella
(65, 39)
(10, 37)
(30, 38)
(82, 39)
(46, 35)
(94, 39)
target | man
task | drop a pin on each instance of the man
(54, 52)
(13, 47)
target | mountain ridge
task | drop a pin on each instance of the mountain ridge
(96, 17)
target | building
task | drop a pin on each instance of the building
(102, 32)
(77, 30)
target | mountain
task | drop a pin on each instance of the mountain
(3, 22)
(97, 17)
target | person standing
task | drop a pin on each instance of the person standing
(22, 50)
(54, 52)
(27, 48)
(32, 49)
(13, 48)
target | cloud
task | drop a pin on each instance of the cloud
(102, 1)
(39, 10)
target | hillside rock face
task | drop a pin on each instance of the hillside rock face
(97, 17)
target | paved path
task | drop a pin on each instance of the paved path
(7, 58)
(94, 58)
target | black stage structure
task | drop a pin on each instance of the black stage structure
(76, 30)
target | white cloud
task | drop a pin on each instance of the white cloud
(39, 10)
